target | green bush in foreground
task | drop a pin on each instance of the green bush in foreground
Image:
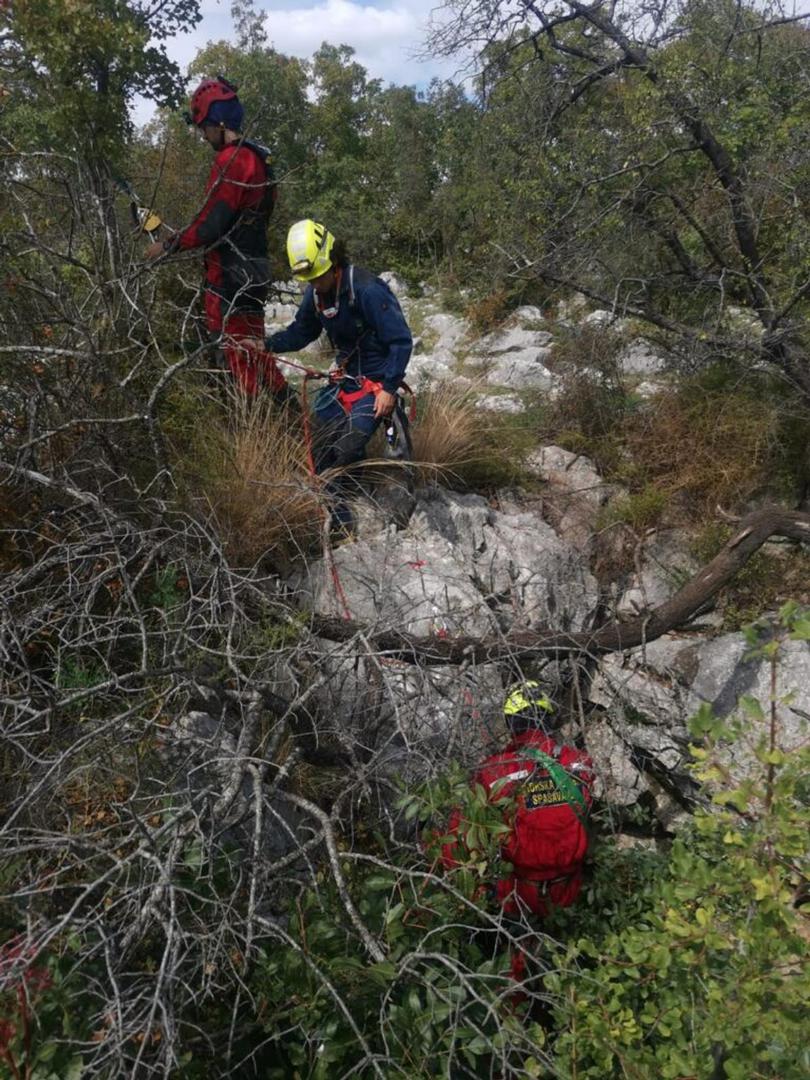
(688, 965)
(710, 981)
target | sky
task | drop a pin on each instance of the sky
(386, 35)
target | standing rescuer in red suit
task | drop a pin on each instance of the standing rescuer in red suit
(547, 791)
(231, 227)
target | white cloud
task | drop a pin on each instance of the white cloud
(386, 36)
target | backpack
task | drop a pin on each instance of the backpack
(563, 781)
(268, 203)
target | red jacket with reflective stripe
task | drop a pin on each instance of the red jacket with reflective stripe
(232, 226)
(548, 839)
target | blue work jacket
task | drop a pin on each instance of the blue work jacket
(369, 332)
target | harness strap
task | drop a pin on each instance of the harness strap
(544, 882)
(367, 386)
(565, 784)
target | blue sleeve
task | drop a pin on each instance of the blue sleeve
(305, 328)
(381, 311)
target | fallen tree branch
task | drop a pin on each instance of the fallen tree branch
(616, 636)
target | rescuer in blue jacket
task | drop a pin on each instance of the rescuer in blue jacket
(365, 325)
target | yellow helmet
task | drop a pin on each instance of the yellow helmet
(528, 698)
(309, 247)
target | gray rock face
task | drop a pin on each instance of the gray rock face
(511, 339)
(408, 720)
(394, 283)
(667, 564)
(459, 519)
(649, 695)
(522, 370)
(639, 358)
(649, 683)
(437, 364)
(570, 472)
(398, 580)
(438, 347)
(279, 314)
(667, 680)
(725, 673)
(460, 567)
(600, 317)
(503, 403)
(448, 331)
(532, 574)
(514, 357)
(618, 781)
(576, 493)
(528, 313)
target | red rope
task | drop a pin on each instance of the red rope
(313, 373)
(341, 595)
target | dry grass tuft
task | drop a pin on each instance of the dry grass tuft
(466, 445)
(706, 448)
(260, 491)
(712, 439)
(449, 430)
(247, 465)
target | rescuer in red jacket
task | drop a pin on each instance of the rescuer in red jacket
(232, 228)
(548, 797)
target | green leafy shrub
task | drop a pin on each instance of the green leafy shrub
(439, 1002)
(709, 980)
(686, 962)
(41, 1012)
(722, 437)
(639, 511)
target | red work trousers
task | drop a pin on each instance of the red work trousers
(252, 368)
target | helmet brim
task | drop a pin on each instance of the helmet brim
(310, 275)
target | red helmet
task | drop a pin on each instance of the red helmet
(209, 91)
